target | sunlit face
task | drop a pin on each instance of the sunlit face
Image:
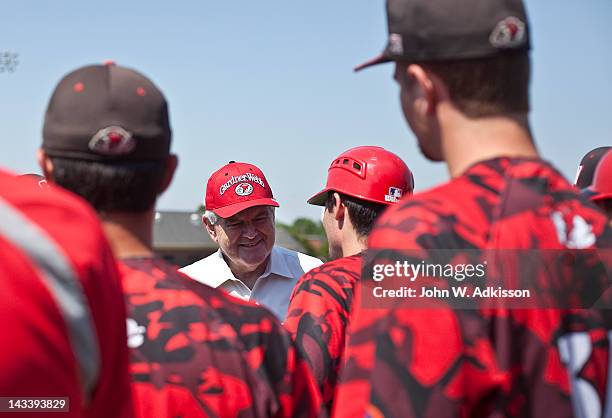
(247, 238)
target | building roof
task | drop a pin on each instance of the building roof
(183, 231)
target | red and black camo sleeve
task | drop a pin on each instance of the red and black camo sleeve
(318, 316)
(275, 366)
(290, 377)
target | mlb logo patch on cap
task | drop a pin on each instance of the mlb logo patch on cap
(394, 195)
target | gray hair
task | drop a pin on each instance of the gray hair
(211, 217)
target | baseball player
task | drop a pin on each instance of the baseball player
(239, 217)
(195, 351)
(63, 335)
(600, 190)
(361, 183)
(463, 70)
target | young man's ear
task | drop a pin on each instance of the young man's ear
(170, 169)
(45, 164)
(339, 209)
(423, 83)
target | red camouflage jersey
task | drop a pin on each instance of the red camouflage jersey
(483, 362)
(319, 310)
(198, 352)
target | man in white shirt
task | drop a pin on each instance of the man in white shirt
(239, 217)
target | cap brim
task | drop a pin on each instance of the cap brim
(587, 193)
(230, 210)
(381, 59)
(319, 199)
(601, 196)
(593, 195)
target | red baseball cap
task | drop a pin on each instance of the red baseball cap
(236, 187)
(367, 173)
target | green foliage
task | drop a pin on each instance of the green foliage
(305, 226)
(310, 235)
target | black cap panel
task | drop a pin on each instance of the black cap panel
(436, 30)
(105, 112)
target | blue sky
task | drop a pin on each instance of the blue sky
(271, 82)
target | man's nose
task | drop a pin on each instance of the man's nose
(249, 231)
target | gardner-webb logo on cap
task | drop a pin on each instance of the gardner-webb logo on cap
(112, 140)
(244, 189)
(509, 33)
(241, 189)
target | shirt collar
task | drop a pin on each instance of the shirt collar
(220, 273)
(276, 265)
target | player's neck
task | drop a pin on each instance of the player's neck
(130, 234)
(467, 141)
(353, 244)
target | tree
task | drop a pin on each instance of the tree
(310, 235)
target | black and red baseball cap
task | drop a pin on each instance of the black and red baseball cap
(586, 169)
(441, 30)
(236, 187)
(601, 186)
(107, 113)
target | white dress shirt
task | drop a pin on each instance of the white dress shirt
(272, 289)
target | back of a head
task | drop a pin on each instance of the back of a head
(107, 133)
(479, 49)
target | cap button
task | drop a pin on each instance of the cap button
(110, 62)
